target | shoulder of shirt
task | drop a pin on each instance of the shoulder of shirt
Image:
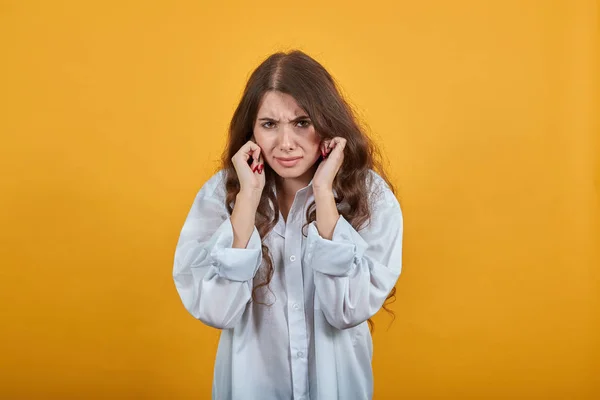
(376, 178)
(377, 183)
(380, 191)
(214, 187)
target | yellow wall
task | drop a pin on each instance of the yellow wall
(113, 114)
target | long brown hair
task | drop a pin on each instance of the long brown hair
(314, 89)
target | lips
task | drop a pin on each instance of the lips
(288, 161)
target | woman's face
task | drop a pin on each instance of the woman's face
(286, 135)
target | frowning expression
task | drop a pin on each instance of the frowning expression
(286, 135)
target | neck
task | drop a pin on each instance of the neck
(287, 187)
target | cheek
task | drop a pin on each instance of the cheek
(312, 148)
(315, 143)
(261, 140)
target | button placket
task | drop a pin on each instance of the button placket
(295, 289)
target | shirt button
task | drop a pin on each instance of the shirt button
(300, 354)
(296, 306)
(292, 258)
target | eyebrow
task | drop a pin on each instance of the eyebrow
(301, 117)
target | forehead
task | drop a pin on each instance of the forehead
(279, 105)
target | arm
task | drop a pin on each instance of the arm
(355, 272)
(212, 276)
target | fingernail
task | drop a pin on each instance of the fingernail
(254, 168)
(260, 168)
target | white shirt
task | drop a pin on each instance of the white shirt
(313, 341)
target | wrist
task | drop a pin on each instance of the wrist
(323, 192)
(248, 197)
(247, 194)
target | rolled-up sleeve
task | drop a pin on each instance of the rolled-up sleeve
(235, 264)
(214, 280)
(354, 272)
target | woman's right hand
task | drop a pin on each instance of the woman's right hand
(251, 176)
(252, 182)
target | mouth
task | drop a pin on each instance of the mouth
(289, 161)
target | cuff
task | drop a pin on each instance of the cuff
(235, 264)
(339, 255)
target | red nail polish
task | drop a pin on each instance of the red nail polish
(254, 168)
(260, 168)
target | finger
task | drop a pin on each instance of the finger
(341, 143)
(257, 158)
(327, 146)
(244, 154)
(247, 149)
(338, 146)
(334, 143)
(251, 150)
(261, 165)
(327, 150)
(256, 154)
(322, 148)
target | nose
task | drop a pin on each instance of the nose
(286, 139)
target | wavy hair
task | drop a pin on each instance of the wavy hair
(316, 92)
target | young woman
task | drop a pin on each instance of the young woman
(294, 245)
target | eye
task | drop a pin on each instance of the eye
(305, 123)
(268, 124)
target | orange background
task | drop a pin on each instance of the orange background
(113, 114)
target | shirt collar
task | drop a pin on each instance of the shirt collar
(300, 200)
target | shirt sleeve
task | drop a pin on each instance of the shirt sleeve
(214, 280)
(354, 272)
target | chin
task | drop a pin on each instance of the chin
(291, 173)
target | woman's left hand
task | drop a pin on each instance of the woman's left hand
(333, 156)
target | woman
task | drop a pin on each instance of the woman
(294, 245)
